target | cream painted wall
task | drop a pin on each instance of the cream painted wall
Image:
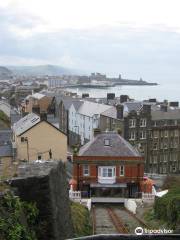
(41, 138)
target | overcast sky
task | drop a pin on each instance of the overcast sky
(137, 38)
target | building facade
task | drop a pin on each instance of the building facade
(84, 117)
(38, 140)
(108, 166)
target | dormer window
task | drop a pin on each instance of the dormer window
(107, 142)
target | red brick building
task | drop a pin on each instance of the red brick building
(108, 166)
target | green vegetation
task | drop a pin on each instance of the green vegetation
(167, 207)
(166, 210)
(81, 220)
(17, 218)
(151, 220)
(4, 119)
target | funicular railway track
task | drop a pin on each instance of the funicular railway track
(118, 223)
(114, 219)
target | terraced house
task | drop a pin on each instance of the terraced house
(153, 128)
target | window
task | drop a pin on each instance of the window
(132, 135)
(155, 124)
(162, 134)
(176, 133)
(165, 157)
(142, 134)
(39, 157)
(150, 134)
(171, 133)
(22, 139)
(143, 122)
(155, 146)
(175, 143)
(85, 170)
(165, 144)
(106, 172)
(155, 159)
(165, 133)
(121, 170)
(106, 142)
(155, 134)
(132, 123)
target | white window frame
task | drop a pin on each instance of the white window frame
(143, 122)
(176, 133)
(166, 133)
(143, 136)
(121, 170)
(86, 168)
(132, 123)
(102, 170)
(156, 134)
(132, 135)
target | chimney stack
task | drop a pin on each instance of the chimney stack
(43, 116)
(110, 96)
(174, 104)
(163, 107)
(147, 108)
(120, 110)
(124, 98)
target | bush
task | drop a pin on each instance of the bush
(167, 207)
(81, 220)
(17, 218)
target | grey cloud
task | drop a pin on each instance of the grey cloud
(152, 53)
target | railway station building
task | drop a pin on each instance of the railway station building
(108, 166)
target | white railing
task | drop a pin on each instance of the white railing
(74, 195)
(148, 196)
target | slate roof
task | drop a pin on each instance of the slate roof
(91, 108)
(111, 113)
(5, 136)
(171, 114)
(133, 106)
(77, 104)
(118, 146)
(14, 116)
(25, 123)
(6, 151)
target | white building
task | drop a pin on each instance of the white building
(84, 117)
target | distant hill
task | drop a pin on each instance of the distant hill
(51, 70)
(5, 73)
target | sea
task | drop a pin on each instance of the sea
(168, 91)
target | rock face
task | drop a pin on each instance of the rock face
(45, 184)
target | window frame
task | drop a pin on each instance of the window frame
(121, 169)
(86, 169)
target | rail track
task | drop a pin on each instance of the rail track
(117, 221)
(110, 219)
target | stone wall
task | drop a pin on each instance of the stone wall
(46, 184)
